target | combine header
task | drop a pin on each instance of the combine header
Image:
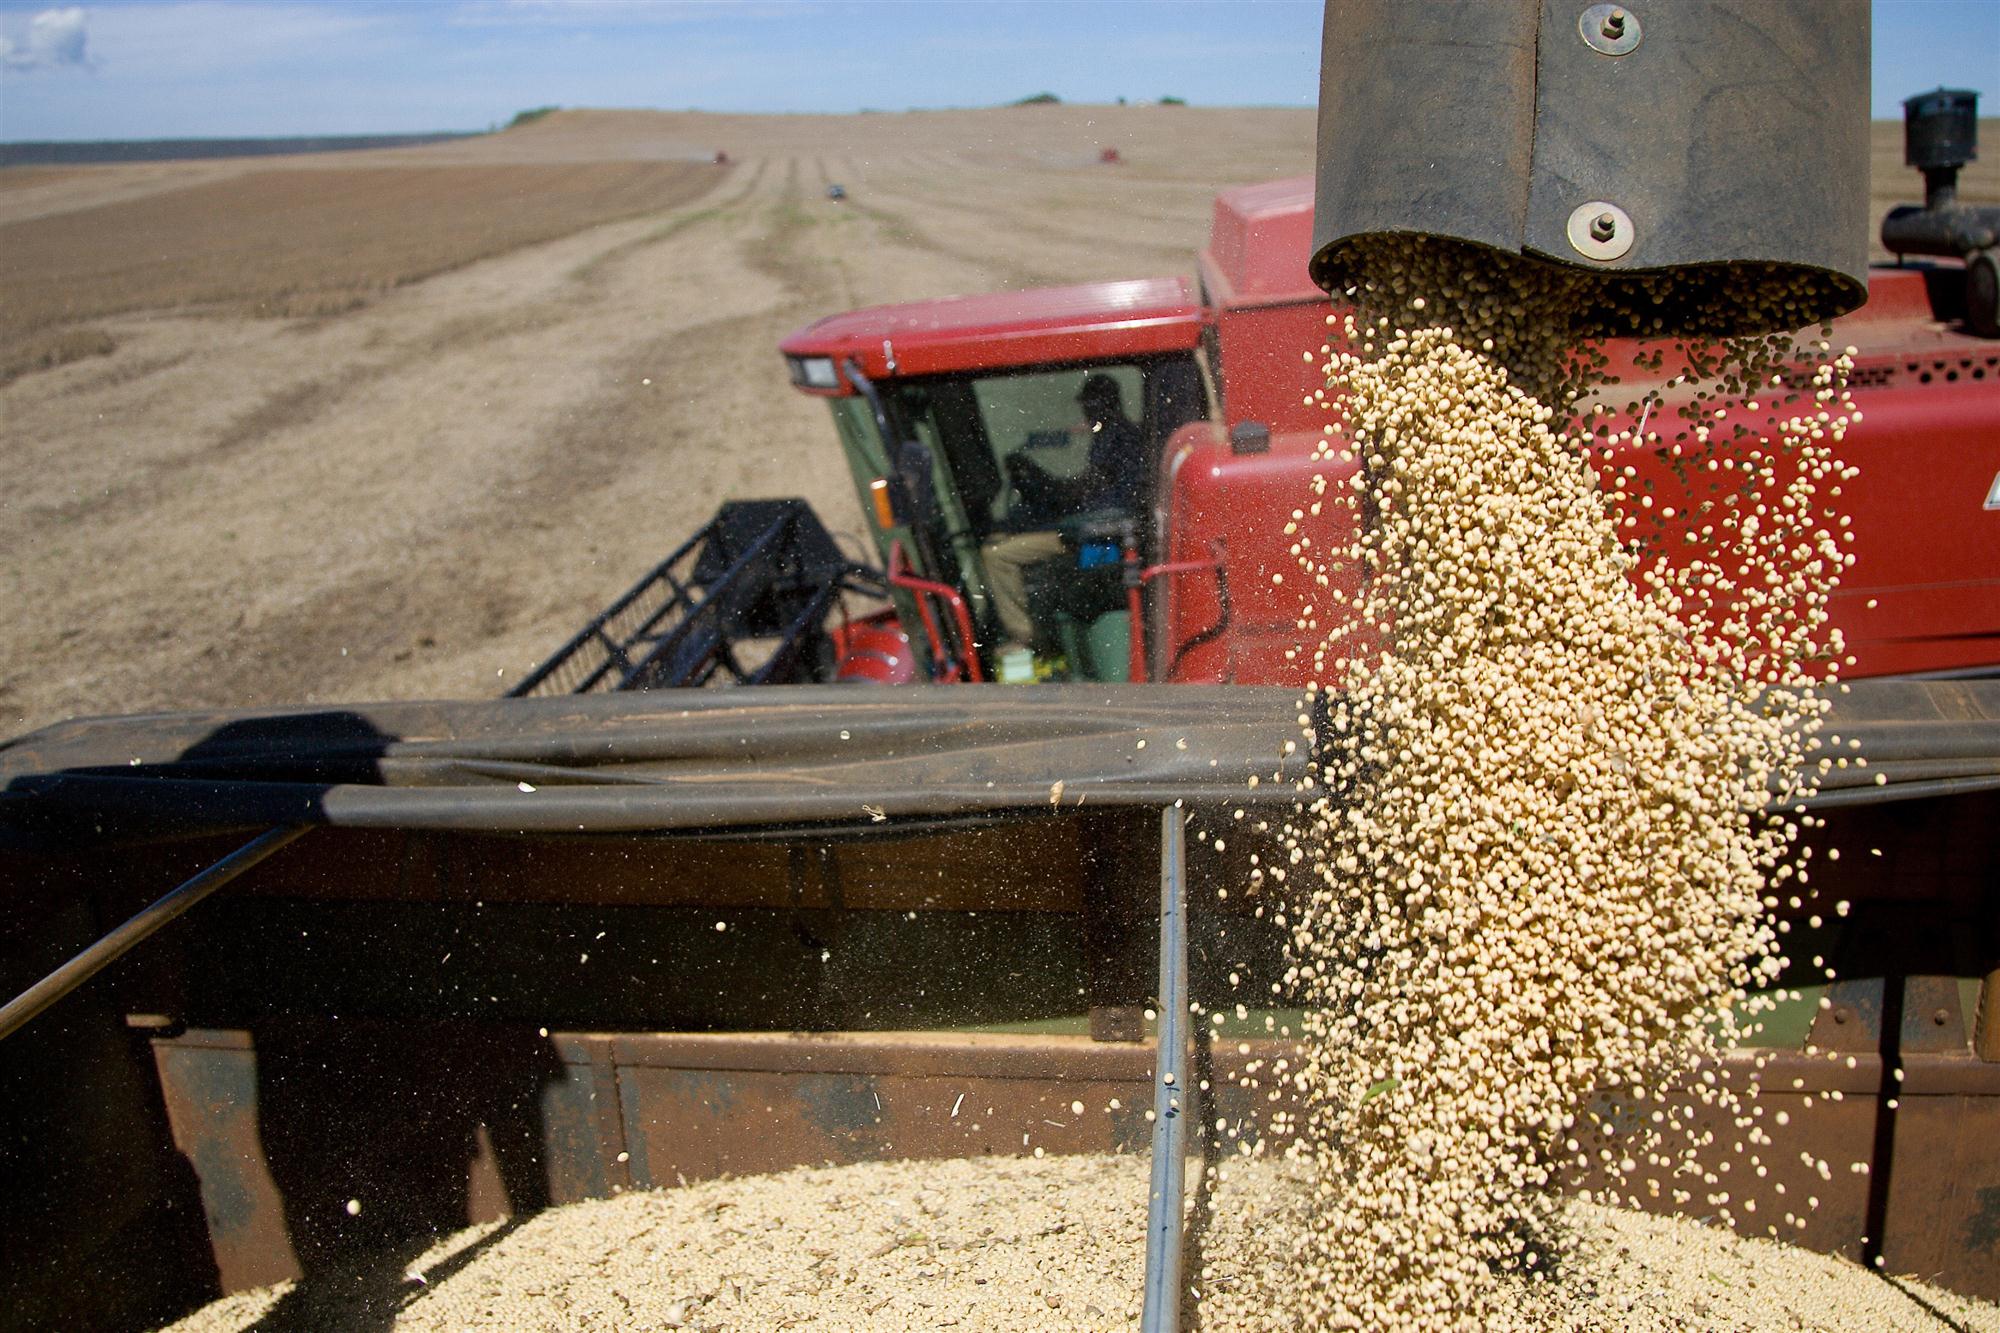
(745, 600)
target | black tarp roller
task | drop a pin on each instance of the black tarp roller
(782, 759)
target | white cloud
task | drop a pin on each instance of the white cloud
(55, 38)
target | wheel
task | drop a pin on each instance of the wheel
(1982, 294)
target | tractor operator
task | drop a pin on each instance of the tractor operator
(1111, 480)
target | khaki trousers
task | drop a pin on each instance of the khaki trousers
(1007, 559)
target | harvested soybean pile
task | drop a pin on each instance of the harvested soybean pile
(992, 1243)
(1622, 1271)
(1001, 1243)
(1538, 867)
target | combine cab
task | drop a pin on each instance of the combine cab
(934, 399)
(941, 406)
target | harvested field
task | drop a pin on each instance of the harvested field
(423, 494)
(306, 242)
(372, 490)
(21, 178)
(45, 349)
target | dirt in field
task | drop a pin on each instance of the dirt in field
(35, 177)
(425, 493)
(255, 458)
(291, 242)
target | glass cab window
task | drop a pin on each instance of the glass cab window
(1037, 426)
(1029, 448)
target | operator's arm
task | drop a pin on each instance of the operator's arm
(1040, 497)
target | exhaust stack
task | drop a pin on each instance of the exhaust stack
(1723, 143)
(1940, 135)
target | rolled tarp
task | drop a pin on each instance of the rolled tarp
(664, 761)
(785, 758)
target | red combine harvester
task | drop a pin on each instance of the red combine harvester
(962, 427)
(934, 400)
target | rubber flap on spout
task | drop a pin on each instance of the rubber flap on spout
(1695, 156)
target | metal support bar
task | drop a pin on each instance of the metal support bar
(1172, 1098)
(1882, 1157)
(1986, 1028)
(24, 1007)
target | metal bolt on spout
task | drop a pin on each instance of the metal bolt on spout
(1601, 231)
(1611, 30)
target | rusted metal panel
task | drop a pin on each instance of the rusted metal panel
(92, 1186)
(1988, 1037)
(1842, 1164)
(908, 1054)
(1944, 1193)
(697, 1124)
(1933, 1016)
(210, 1083)
(697, 1107)
(606, 1114)
(1851, 1018)
(684, 1107)
(317, 1143)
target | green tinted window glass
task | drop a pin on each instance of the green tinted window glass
(1038, 416)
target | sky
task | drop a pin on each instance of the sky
(142, 69)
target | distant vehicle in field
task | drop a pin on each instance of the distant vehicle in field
(836, 192)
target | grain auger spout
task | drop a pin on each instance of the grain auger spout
(1706, 160)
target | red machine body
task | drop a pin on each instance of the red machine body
(1092, 321)
(873, 650)
(1922, 596)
